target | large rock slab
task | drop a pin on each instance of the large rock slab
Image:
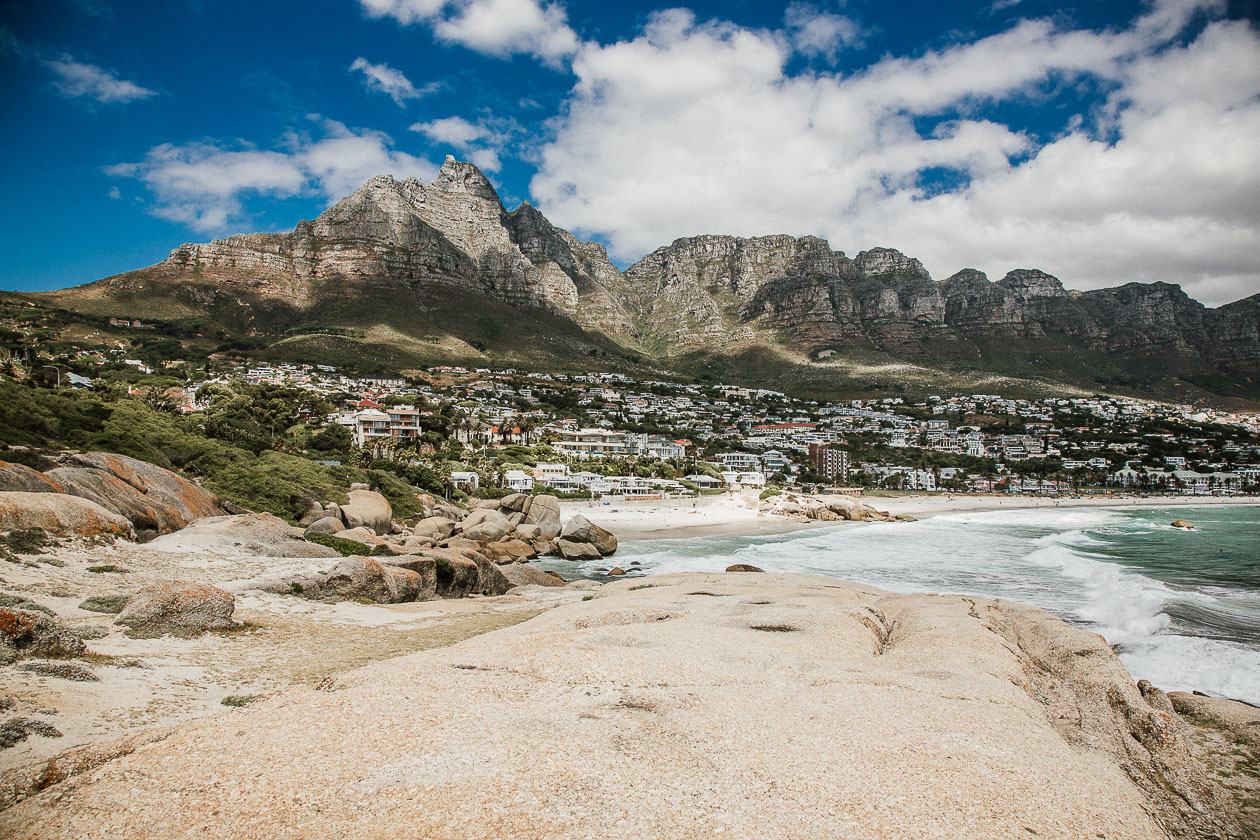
(181, 609)
(150, 497)
(19, 478)
(60, 515)
(789, 706)
(257, 534)
(485, 525)
(580, 529)
(576, 551)
(364, 578)
(368, 509)
(544, 511)
(522, 574)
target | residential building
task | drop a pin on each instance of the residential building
(829, 463)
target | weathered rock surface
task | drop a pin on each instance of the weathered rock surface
(485, 525)
(744, 567)
(368, 509)
(522, 574)
(364, 578)
(178, 609)
(60, 515)
(260, 534)
(325, 525)
(866, 714)
(577, 551)
(19, 478)
(32, 633)
(150, 497)
(544, 511)
(582, 530)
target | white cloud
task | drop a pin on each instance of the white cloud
(387, 80)
(456, 131)
(697, 128)
(476, 142)
(203, 184)
(498, 28)
(814, 32)
(74, 79)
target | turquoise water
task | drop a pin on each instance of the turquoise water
(1182, 608)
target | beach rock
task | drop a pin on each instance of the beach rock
(616, 571)
(150, 497)
(544, 511)
(326, 525)
(527, 532)
(485, 525)
(1182, 523)
(523, 574)
(414, 545)
(257, 534)
(437, 527)
(425, 568)
(180, 609)
(32, 633)
(513, 550)
(363, 536)
(1240, 720)
(517, 502)
(461, 543)
(361, 578)
(461, 573)
(360, 486)
(580, 529)
(60, 515)
(570, 550)
(19, 478)
(823, 514)
(367, 509)
(314, 513)
(743, 567)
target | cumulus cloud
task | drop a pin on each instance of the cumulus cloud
(814, 32)
(203, 184)
(477, 142)
(694, 128)
(74, 79)
(499, 28)
(387, 80)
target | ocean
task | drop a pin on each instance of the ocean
(1182, 608)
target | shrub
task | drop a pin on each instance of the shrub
(277, 483)
(105, 603)
(27, 541)
(107, 567)
(400, 494)
(347, 548)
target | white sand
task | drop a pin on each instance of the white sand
(677, 518)
(738, 515)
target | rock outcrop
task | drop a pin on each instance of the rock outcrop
(259, 534)
(150, 497)
(60, 515)
(368, 509)
(788, 706)
(33, 633)
(579, 529)
(180, 609)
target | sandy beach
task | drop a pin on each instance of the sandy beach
(738, 514)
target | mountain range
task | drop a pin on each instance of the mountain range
(404, 274)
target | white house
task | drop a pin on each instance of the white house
(465, 480)
(518, 480)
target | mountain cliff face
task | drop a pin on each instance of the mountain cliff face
(405, 236)
(447, 259)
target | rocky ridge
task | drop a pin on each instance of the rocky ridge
(400, 252)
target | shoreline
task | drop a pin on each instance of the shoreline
(738, 516)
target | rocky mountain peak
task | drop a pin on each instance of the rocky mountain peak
(885, 262)
(457, 176)
(1028, 283)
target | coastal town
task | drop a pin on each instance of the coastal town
(607, 434)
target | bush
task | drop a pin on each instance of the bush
(284, 485)
(771, 492)
(347, 548)
(401, 495)
(27, 541)
(105, 603)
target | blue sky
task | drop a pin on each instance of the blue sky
(1104, 142)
